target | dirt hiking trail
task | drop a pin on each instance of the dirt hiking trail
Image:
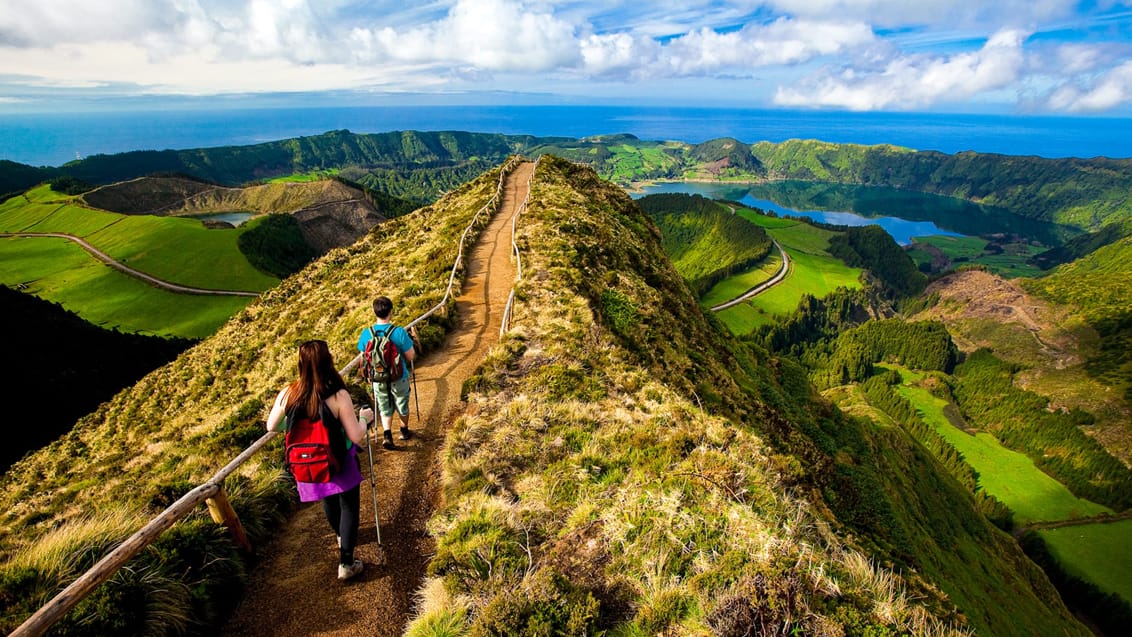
(293, 589)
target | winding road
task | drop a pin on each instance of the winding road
(127, 270)
(762, 287)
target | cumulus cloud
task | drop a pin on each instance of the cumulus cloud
(489, 34)
(869, 54)
(915, 81)
(1113, 88)
(950, 13)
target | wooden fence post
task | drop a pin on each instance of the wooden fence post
(222, 513)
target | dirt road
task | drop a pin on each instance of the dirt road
(294, 590)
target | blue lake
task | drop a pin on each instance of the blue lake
(902, 230)
(234, 218)
(903, 214)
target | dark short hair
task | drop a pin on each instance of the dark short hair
(382, 307)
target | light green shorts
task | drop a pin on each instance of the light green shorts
(395, 395)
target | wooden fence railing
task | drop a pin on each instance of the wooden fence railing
(506, 325)
(211, 492)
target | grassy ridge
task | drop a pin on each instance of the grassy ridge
(612, 471)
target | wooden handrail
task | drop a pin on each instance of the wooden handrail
(211, 491)
(505, 325)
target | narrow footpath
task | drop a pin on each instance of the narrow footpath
(293, 589)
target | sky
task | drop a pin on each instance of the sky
(1010, 56)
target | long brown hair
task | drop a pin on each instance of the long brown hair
(317, 381)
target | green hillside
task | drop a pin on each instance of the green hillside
(706, 242)
(668, 480)
(1082, 193)
(1099, 285)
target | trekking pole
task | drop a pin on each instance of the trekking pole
(372, 487)
(416, 396)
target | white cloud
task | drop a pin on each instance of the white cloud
(496, 35)
(873, 54)
(1111, 89)
(915, 81)
(949, 13)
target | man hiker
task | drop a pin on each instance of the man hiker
(392, 395)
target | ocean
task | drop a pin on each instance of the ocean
(52, 139)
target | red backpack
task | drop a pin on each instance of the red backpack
(381, 360)
(314, 448)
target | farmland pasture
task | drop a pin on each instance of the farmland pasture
(178, 250)
(812, 271)
(1007, 475)
(1098, 553)
(58, 270)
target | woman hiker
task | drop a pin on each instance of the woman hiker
(319, 392)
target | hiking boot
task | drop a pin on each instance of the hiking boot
(346, 571)
(387, 440)
(405, 433)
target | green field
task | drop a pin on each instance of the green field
(302, 178)
(737, 285)
(812, 271)
(178, 250)
(628, 161)
(1099, 553)
(1007, 475)
(58, 270)
(1012, 262)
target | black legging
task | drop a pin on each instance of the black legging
(342, 513)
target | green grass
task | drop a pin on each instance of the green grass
(817, 275)
(1007, 475)
(60, 271)
(734, 286)
(182, 251)
(177, 250)
(1099, 553)
(1011, 263)
(812, 271)
(628, 161)
(302, 178)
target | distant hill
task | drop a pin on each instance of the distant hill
(706, 242)
(1083, 193)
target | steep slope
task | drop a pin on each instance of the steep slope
(623, 467)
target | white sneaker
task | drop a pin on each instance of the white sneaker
(345, 572)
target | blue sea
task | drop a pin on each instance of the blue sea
(52, 139)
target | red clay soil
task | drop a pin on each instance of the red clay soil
(294, 588)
